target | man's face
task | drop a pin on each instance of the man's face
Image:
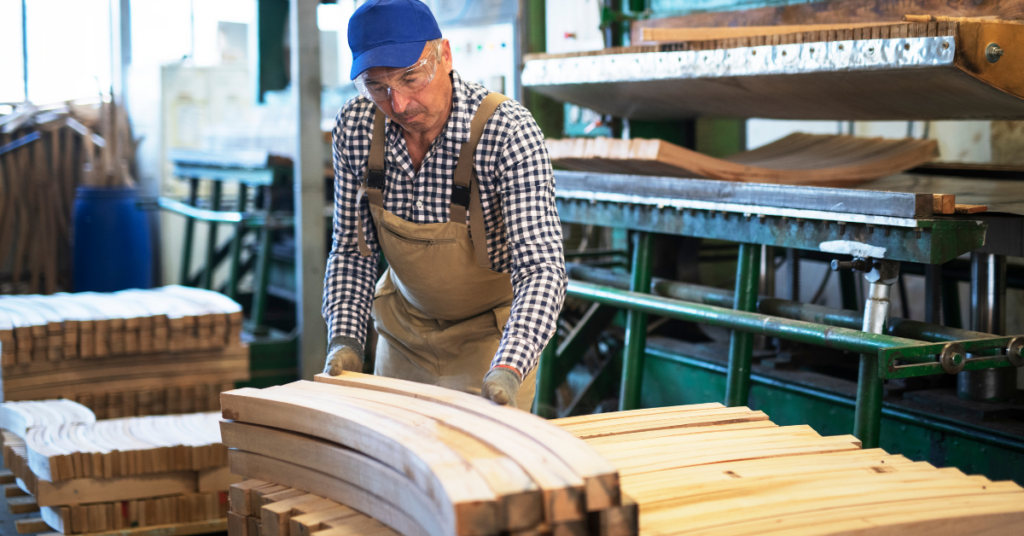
(428, 107)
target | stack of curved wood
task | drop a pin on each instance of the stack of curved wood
(806, 159)
(422, 460)
(710, 470)
(261, 508)
(134, 352)
(88, 476)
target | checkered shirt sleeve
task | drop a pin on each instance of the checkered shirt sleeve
(517, 193)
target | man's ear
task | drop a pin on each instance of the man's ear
(446, 56)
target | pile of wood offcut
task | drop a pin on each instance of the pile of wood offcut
(87, 476)
(133, 352)
(423, 460)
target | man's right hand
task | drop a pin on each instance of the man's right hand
(344, 353)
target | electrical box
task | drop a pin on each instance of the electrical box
(484, 36)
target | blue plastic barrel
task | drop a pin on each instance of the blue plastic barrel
(111, 242)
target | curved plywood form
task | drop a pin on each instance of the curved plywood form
(802, 159)
(601, 479)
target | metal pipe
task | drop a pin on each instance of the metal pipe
(795, 330)
(867, 417)
(636, 324)
(818, 314)
(741, 343)
(988, 314)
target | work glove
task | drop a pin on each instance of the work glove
(344, 353)
(501, 384)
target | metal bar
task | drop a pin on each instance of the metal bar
(20, 142)
(951, 315)
(545, 403)
(262, 279)
(867, 418)
(636, 324)
(211, 237)
(768, 271)
(795, 330)
(845, 318)
(186, 253)
(793, 256)
(988, 314)
(932, 294)
(848, 290)
(310, 250)
(741, 344)
(838, 200)
(236, 245)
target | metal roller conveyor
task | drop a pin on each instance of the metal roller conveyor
(974, 73)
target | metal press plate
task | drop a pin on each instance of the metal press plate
(873, 79)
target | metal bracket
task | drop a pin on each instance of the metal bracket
(952, 357)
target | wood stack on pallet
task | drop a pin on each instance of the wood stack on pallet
(421, 459)
(134, 352)
(805, 159)
(260, 508)
(710, 470)
(699, 469)
(89, 476)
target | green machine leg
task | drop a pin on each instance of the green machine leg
(236, 246)
(190, 225)
(259, 298)
(544, 402)
(211, 237)
(741, 344)
(636, 324)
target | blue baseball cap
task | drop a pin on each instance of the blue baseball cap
(389, 33)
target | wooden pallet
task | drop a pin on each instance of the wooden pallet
(420, 459)
(705, 470)
(805, 159)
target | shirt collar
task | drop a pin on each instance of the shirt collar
(457, 129)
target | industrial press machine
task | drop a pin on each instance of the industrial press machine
(878, 230)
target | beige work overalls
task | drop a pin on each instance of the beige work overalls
(439, 308)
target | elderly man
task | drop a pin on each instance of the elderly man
(453, 185)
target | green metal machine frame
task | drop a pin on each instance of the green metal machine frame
(924, 349)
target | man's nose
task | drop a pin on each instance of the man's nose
(398, 101)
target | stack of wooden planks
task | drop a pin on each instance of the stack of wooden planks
(87, 476)
(260, 508)
(710, 470)
(133, 352)
(805, 159)
(45, 153)
(421, 459)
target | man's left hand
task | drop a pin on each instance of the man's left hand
(501, 385)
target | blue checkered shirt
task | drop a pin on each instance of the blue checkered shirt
(517, 191)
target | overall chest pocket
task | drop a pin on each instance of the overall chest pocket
(418, 240)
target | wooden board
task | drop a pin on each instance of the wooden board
(432, 465)
(601, 480)
(803, 159)
(269, 469)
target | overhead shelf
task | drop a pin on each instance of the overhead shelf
(895, 78)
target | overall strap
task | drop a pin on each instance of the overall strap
(466, 190)
(373, 178)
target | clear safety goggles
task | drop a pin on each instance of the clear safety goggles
(407, 81)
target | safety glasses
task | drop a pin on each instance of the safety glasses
(407, 81)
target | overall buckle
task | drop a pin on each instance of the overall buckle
(375, 179)
(460, 195)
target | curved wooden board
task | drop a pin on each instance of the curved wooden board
(432, 465)
(600, 477)
(263, 468)
(562, 488)
(358, 470)
(807, 159)
(519, 497)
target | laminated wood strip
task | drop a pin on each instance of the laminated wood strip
(601, 479)
(807, 159)
(990, 514)
(393, 515)
(679, 443)
(77, 491)
(431, 464)
(562, 489)
(276, 517)
(138, 383)
(22, 505)
(604, 418)
(669, 432)
(306, 524)
(53, 323)
(695, 419)
(31, 525)
(127, 369)
(239, 495)
(350, 467)
(163, 516)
